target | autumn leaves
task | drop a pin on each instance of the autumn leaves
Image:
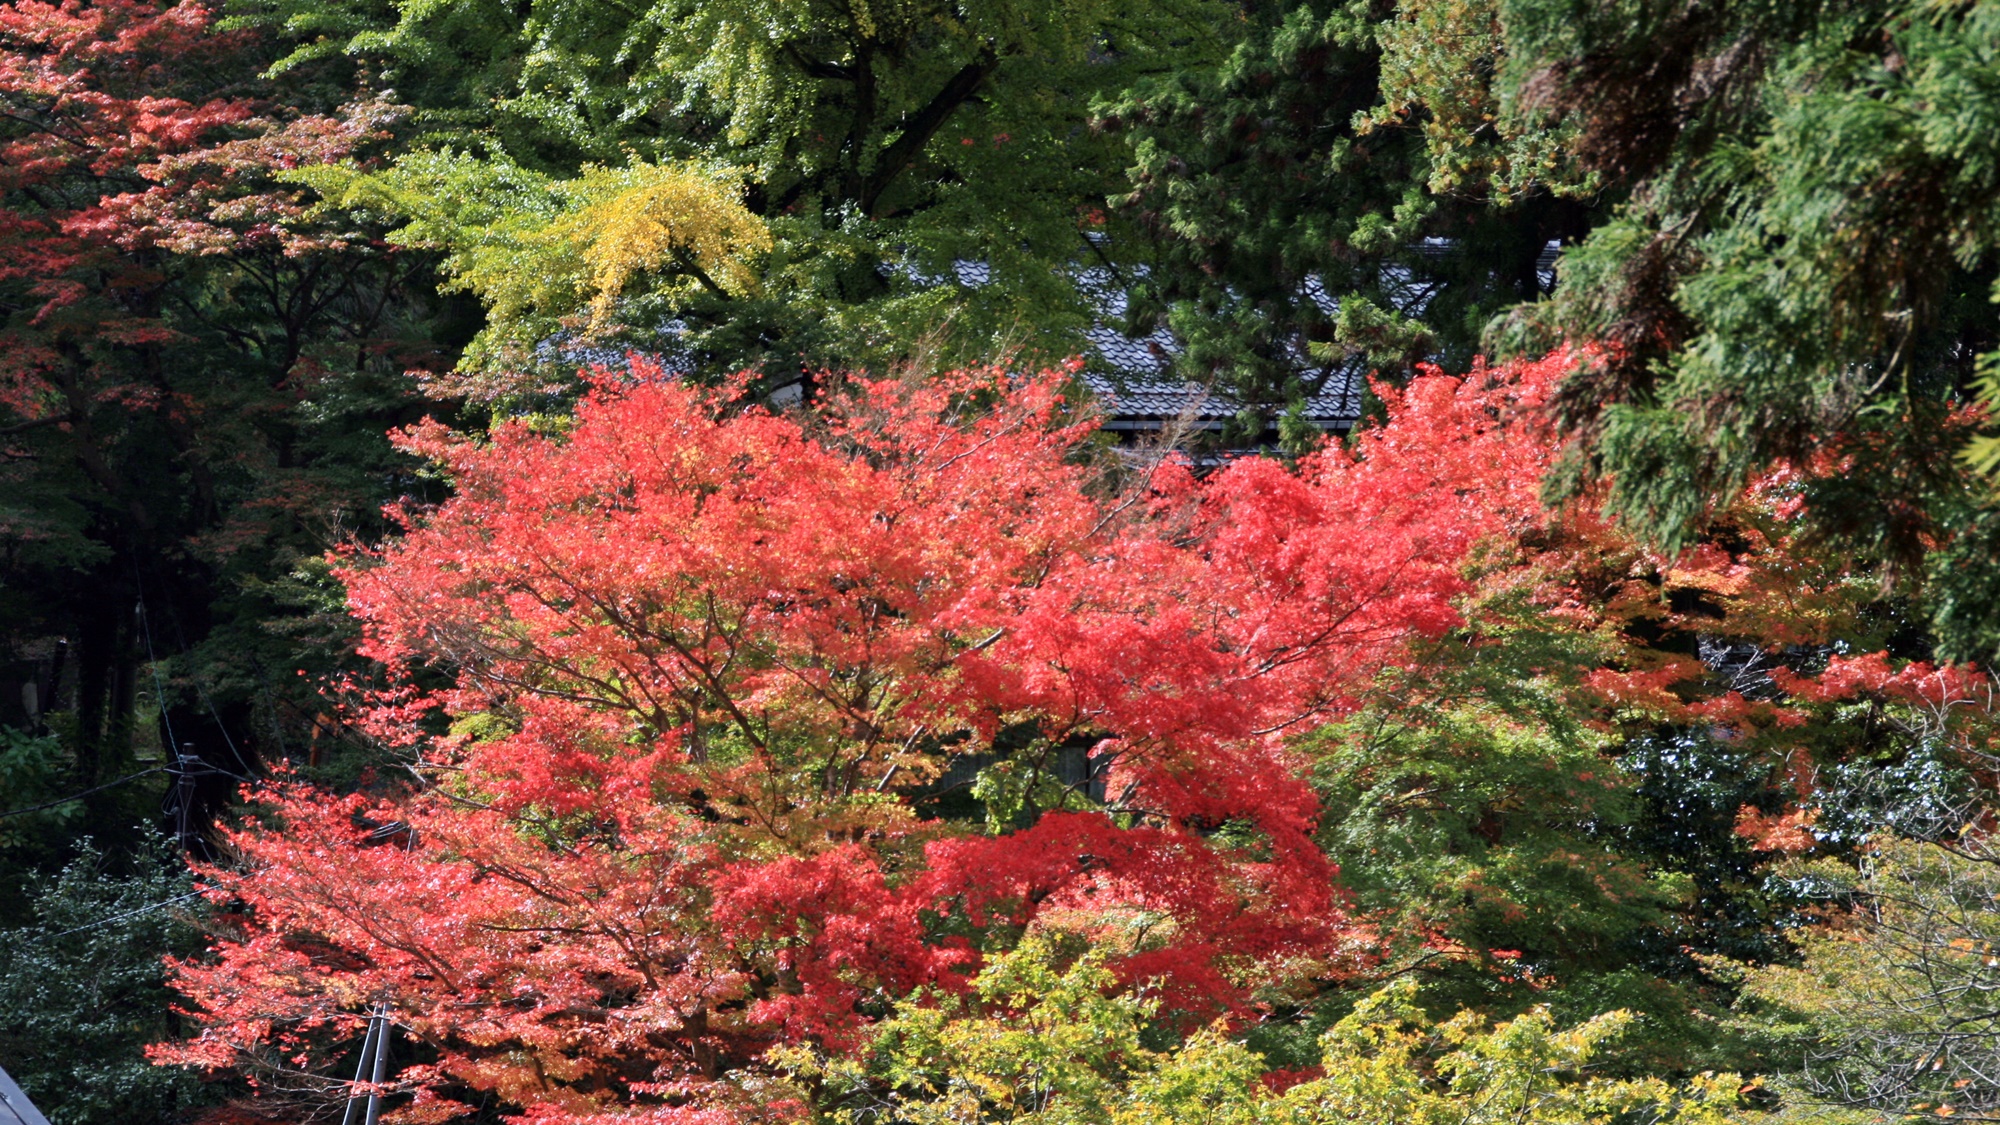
(708, 665)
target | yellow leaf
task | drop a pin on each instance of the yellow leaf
(651, 218)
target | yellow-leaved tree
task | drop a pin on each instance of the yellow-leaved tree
(1041, 1043)
(649, 219)
(555, 256)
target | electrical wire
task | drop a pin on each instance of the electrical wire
(180, 798)
(80, 795)
(102, 922)
(200, 687)
(179, 802)
(153, 662)
(206, 769)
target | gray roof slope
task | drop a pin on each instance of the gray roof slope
(15, 1108)
(1141, 394)
(1135, 376)
(1136, 405)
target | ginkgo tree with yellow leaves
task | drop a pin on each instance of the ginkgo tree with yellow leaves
(817, 183)
(550, 256)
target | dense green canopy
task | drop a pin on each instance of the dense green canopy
(903, 177)
(1341, 188)
(1802, 264)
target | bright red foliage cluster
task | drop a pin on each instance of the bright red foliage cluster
(716, 670)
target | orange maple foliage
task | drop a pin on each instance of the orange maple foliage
(713, 670)
(712, 666)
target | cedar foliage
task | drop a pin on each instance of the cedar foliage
(1340, 187)
(1803, 265)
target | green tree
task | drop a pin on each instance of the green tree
(195, 377)
(1053, 1041)
(1339, 188)
(1890, 1007)
(83, 989)
(879, 175)
(1800, 268)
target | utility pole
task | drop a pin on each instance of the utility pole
(375, 1050)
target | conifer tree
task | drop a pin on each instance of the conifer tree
(1803, 265)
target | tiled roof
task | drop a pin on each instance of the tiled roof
(1145, 357)
(1147, 405)
(1134, 377)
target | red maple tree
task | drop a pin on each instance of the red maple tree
(712, 670)
(129, 140)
